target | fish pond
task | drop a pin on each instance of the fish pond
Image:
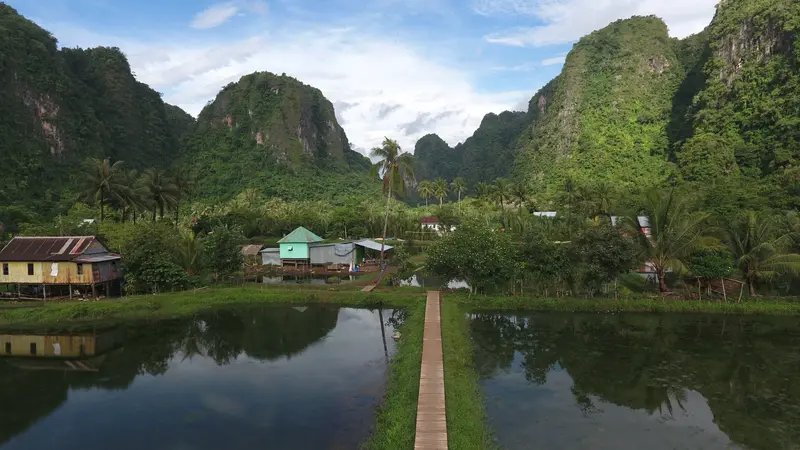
(639, 381)
(269, 377)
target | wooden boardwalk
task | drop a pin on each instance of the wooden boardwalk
(431, 418)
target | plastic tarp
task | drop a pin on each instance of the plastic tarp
(366, 243)
(344, 249)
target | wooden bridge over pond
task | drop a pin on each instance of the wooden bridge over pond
(431, 417)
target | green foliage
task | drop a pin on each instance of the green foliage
(484, 257)
(707, 157)
(711, 263)
(761, 248)
(484, 156)
(275, 134)
(221, 255)
(150, 260)
(603, 254)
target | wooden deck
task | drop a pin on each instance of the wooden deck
(431, 418)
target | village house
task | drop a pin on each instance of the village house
(433, 224)
(48, 267)
(303, 250)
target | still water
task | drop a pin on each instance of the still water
(640, 381)
(272, 378)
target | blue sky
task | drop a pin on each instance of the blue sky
(397, 68)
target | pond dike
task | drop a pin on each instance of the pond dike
(431, 419)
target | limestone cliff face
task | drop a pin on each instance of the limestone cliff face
(752, 79)
(604, 118)
(59, 106)
(278, 117)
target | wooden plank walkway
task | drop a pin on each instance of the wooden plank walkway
(431, 418)
(368, 288)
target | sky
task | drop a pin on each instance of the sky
(391, 68)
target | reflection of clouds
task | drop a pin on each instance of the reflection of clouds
(522, 412)
(222, 404)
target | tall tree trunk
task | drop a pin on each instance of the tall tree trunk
(662, 280)
(426, 201)
(441, 201)
(161, 210)
(751, 286)
(102, 206)
(155, 209)
(177, 212)
(386, 222)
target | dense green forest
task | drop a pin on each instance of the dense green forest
(634, 108)
(64, 106)
(486, 155)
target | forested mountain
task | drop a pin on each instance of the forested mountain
(60, 106)
(634, 108)
(277, 134)
(488, 154)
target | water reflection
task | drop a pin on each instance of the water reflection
(640, 381)
(288, 378)
(435, 282)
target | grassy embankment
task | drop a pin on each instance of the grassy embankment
(638, 304)
(395, 425)
(191, 302)
(466, 418)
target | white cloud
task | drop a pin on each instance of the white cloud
(414, 95)
(555, 60)
(564, 21)
(219, 13)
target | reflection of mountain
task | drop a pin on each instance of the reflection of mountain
(27, 396)
(744, 367)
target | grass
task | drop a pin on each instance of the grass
(190, 302)
(395, 425)
(466, 418)
(638, 304)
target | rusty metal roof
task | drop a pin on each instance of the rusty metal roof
(251, 250)
(61, 248)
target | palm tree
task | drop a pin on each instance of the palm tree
(502, 191)
(441, 189)
(459, 186)
(103, 181)
(184, 185)
(426, 190)
(519, 193)
(483, 190)
(675, 232)
(760, 249)
(189, 252)
(134, 199)
(396, 168)
(161, 191)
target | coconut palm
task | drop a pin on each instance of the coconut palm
(501, 189)
(103, 182)
(441, 189)
(483, 190)
(396, 169)
(519, 194)
(760, 248)
(425, 189)
(459, 186)
(675, 232)
(184, 185)
(134, 199)
(161, 191)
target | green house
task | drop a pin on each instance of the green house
(295, 245)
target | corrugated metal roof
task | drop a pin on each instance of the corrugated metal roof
(61, 248)
(367, 243)
(300, 234)
(250, 250)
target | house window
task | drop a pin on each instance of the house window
(30, 269)
(80, 269)
(33, 348)
(5, 269)
(8, 348)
